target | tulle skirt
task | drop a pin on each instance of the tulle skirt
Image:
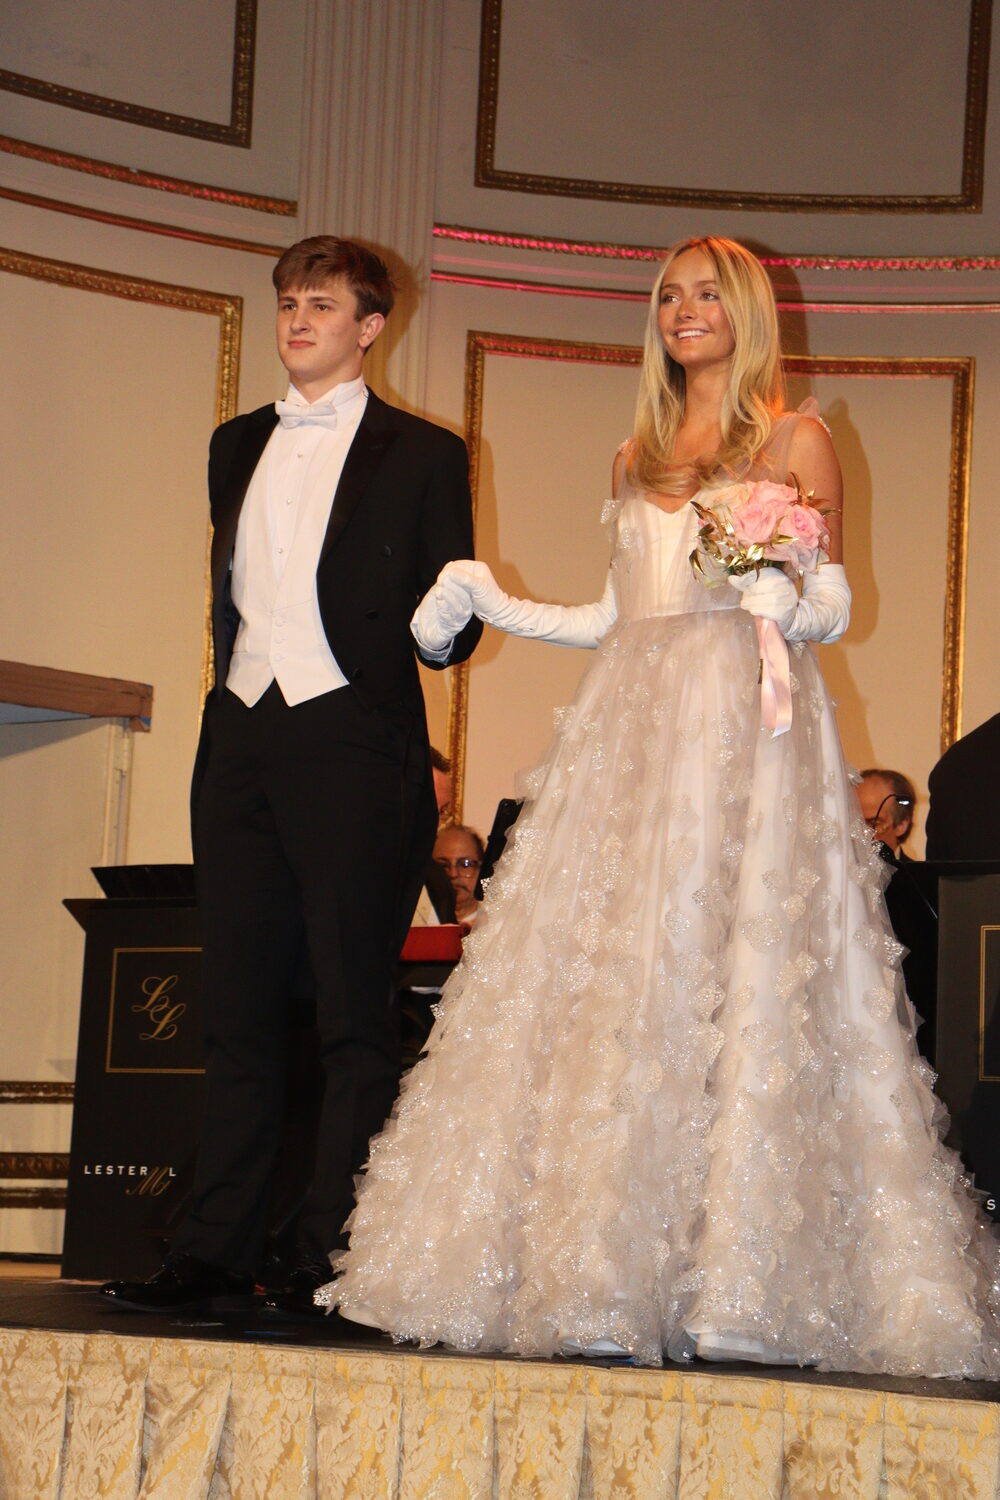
(672, 1092)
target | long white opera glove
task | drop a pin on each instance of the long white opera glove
(560, 624)
(821, 614)
(443, 611)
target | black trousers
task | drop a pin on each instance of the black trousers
(307, 824)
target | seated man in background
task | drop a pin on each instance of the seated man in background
(887, 802)
(449, 895)
(459, 852)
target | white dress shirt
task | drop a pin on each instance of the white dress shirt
(278, 541)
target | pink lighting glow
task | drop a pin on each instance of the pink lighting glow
(654, 253)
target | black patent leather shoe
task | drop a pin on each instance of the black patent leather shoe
(182, 1284)
(295, 1298)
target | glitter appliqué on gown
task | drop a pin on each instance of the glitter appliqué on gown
(672, 1092)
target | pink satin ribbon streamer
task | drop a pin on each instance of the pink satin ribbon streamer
(775, 679)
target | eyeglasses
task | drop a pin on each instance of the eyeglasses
(891, 797)
(458, 864)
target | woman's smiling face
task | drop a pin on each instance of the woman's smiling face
(695, 330)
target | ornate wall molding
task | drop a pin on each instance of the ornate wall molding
(550, 288)
(968, 199)
(42, 1197)
(235, 132)
(818, 281)
(607, 250)
(34, 1164)
(228, 310)
(34, 1091)
(615, 294)
(146, 226)
(230, 197)
(888, 308)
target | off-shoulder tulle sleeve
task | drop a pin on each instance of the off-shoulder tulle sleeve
(810, 408)
(613, 504)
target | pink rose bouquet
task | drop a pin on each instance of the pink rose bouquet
(752, 525)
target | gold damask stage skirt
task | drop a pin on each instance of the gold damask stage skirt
(86, 1416)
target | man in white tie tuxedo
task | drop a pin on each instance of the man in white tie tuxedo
(333, 514)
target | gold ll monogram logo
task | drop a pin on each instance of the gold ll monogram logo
(162, 1012)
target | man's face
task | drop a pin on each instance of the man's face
(321, 342)
(458, 856)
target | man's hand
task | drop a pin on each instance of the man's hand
(443, 611)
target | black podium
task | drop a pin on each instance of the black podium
(967, 1031)
(139, 1076)
(139, 1080)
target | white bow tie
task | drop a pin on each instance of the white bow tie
(294, 414)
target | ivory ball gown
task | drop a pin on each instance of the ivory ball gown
(672, 1098)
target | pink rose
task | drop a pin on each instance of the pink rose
(759, 517)
(803, 535)
(804, 524)
(754, 523)
(778, 496)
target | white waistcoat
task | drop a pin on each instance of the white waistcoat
(281, 636)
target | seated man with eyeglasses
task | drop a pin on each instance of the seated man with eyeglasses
(887, 801)
(449, 895)
(459, 852)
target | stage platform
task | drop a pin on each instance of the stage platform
(135, 1407)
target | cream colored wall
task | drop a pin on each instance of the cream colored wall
(112, 389)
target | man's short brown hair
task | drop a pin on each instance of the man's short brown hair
(322, 257)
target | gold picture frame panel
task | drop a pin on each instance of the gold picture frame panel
(968, 198)
(228, 309)
(235, 132)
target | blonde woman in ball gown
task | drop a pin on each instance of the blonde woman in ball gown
(672, 1105)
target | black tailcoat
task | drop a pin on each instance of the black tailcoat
(312, 824)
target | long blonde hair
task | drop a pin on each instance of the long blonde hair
(756, 389)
